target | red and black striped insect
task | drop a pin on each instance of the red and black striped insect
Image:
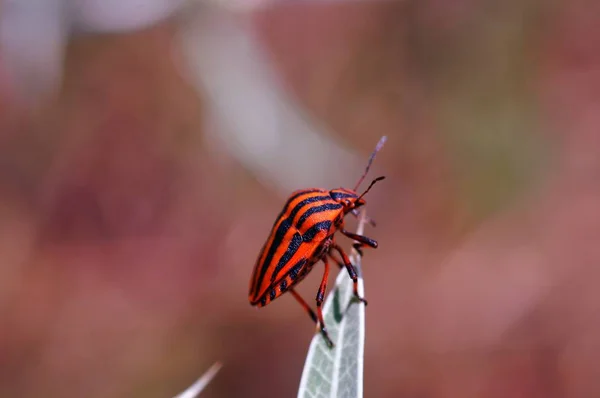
(301, 236)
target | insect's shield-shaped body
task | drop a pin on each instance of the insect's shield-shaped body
(301, 236)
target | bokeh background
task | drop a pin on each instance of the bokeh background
(145, 149)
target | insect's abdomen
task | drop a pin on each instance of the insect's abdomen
(306, 220)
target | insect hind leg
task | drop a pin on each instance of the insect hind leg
(316, 319)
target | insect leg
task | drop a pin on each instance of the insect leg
(320, 298)
(351, 272)
(303, 303)
(361, 241)
(339, 262)
(317, 320)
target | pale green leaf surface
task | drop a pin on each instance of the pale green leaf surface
(338, 372)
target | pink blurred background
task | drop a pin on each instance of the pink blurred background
(128, 236)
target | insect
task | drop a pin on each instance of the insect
(301, 236)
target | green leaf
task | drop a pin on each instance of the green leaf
(338, 372)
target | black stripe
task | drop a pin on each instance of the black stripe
(291, 199)
(312, 231)
(317, 209)
(300, 193)
(297, 240)
(282, 231)
(283, 286)
(305, 202)
(296, 269)
(289, 253)
(340, 195)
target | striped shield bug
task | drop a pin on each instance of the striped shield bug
(302, 235)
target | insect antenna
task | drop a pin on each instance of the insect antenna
(369, 188)
(377, 148)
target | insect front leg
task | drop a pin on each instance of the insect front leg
(351, 271)
(361, 241)
(317, 320)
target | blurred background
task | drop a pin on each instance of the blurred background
(147, 147)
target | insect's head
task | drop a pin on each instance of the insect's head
(349, 198)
